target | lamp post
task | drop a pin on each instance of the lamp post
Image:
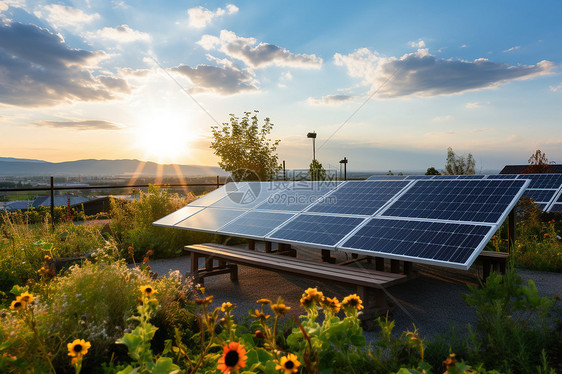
(312, 135)
(344, 162)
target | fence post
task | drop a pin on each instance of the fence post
(53, 202)
(218, 181)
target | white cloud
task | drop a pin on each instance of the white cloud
(257, 55)
(419, 44)
(556, 88)
(464, 46)
(447, 117)
(225, 80)
(422, 74)
(330, 100)
(64, 16)
(473, 105)
(200, 17)
(39, 69)
(79, 125)
(512, 49)
(120, 34)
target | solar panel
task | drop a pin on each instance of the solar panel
(386, 177)
(540, 195)
(502, 176)
(411, 177)
(297, 197)
(316, 230)
(445, 177)
(215, 195)
(457, 200)
(359, 197)
(209, 219)
(178, 215)
(450, 244)
(543, 180)
(255, 224)
(471, 176)
(249, 195)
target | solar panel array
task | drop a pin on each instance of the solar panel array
(545, 189)
(440, 221)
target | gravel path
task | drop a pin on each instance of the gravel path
(432, 301)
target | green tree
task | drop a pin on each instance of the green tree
(316, 171)
(432, 171)
(538, 164)
(459, 165)
(245, 149)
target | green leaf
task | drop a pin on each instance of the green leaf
(165, 365)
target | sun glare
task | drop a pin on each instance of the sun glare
(165, 137)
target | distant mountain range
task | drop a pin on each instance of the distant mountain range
(28, 167)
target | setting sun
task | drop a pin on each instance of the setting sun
(164, 136)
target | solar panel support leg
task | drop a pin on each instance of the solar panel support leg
(268, 247)
(511, 230)
(326, 257)
(395, 266)
(379, 263)
(408, 267)
(251, 244)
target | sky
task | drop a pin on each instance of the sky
(389, 85)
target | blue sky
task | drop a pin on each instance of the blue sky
(389, 85)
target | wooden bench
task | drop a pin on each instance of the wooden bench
(369, 284)
(493, 261)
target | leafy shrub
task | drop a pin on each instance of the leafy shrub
(131, 225)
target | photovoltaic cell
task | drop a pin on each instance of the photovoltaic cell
(473, 176)
(359, 197)
(256, 224)
(178, 215)
(556, 208)
(215, 195)
(456, 200)
(411, 177)
(297, 197)
(249, 195)
(209, 219)
(451, 243)
(502, 176)
(539, 195)
(445, 177)
(316, 230)
(543, 180)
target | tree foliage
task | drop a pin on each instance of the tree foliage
(316, 171)
(538, 164)
(245, 149)
(432, 171)
(459, 165)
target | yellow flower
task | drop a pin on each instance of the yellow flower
(78, 348)
(233, 358)
(263, 301)
(352, 301)
(26, 297)
(314, 294)
(280, 308)
(17, 304)
(261, 315)
(333, 305)
(227, 307)
(147, 290)
(208, 300)
(289, 364)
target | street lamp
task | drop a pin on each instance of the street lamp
(344, 162)
(312, 135)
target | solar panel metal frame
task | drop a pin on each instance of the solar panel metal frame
(206, 196)
(246, 186)
(337, 184)
(187, 207)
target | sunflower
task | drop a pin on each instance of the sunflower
(352, 301)
(314, 294)
(233, 358)
(147, 290)
(17, 304)
(333, 305)
(26, 297)
(280, 308)
(290, 364)
(260, 315)
(78, 348)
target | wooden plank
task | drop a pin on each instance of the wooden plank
(303, 267)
